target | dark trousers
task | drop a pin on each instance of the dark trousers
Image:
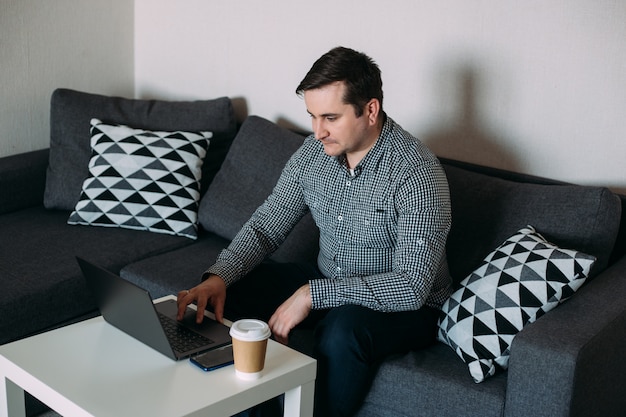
(349, 341)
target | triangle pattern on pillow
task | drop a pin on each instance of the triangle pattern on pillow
(141, 179)
(517, 283)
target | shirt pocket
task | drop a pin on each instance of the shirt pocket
(322, 210)
(372, 227)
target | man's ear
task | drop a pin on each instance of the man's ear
(372, 109)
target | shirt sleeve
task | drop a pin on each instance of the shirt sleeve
(264, 232)
(424, 218)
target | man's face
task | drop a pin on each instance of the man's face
(336, 125)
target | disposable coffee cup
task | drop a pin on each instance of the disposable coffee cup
(249, 347)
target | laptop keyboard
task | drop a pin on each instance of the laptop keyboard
(181, 338)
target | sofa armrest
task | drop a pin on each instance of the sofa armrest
(570, 362)
(22, 180)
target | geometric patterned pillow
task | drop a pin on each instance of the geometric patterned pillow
(517, 283)
(144, 180)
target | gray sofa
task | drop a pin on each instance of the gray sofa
(567, 363)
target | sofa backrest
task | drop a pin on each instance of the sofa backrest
(22, 180)
(70, 137)
(487, 207)
(486, 210)
(248, 174)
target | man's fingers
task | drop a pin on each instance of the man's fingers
(211, 291)
(290, 313)
(201, 306)
(280, 330)
(182, 301)
(218, 309)
(281, 336)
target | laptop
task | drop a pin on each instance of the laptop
(130, 308)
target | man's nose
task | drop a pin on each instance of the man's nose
(319, 130)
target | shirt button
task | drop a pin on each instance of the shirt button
(340, 218)
(338, 269)
(420, 242)
(348, 183)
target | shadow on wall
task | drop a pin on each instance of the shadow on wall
(465, 138)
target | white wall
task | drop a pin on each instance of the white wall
(82, 44)
(534, 86)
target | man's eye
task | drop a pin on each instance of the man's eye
(331, 118)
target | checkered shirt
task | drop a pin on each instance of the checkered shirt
(383, 229)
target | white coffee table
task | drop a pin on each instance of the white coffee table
(93, 369)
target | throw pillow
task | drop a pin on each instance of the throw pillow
(521, 280)
(141, 179)
(71, 111)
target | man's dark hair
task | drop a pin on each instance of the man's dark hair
(359, 72)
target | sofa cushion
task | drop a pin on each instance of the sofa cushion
(71, 112)
(41, 282)
(517, 283)
(432, 382)
(249, 173)
(486, 210)
(142, 179)
(176, 270)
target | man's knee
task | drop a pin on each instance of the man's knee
(343, 331)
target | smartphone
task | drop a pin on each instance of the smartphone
(214, 359)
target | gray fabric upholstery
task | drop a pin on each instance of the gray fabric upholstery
(70, 151)
(176, 270)
(432, 382)
(567, 354)
(487, 210)
(22, 180)
(41, 282)
(244, 182)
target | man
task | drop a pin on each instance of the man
(380, 199)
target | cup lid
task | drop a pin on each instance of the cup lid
(250, 330)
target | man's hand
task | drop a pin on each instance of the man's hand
(211, 291)
(290, 313)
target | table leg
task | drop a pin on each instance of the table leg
(299, 401)
(11, 399)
